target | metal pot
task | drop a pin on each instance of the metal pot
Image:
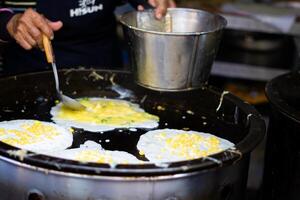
(252, 41)
(218, 177)
(176, 60)
(282, 179)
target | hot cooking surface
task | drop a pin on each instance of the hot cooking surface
(31, 96)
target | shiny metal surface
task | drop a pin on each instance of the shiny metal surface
(177, 60)
(67, 101)
(22, 181)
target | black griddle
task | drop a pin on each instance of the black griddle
(31, 96)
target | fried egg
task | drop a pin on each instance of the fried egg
(91, 151)
(34, 135)
(171, 145)
(104, 115)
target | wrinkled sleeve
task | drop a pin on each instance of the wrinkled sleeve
(5, 15)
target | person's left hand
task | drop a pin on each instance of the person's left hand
(161, 6)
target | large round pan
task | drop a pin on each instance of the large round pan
(221, 176)
(31, 96)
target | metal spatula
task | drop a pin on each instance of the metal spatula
(67, 101)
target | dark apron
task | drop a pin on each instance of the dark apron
(88, 37)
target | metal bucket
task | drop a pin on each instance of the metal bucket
(176, 60)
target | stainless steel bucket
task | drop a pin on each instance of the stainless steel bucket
(176, 60)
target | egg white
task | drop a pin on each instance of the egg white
(94, 152)
(45, 142)
(154, 145)
(98, 127)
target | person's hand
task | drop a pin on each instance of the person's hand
(161, 6)
(27, 28)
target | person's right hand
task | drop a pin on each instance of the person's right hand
(27, 28)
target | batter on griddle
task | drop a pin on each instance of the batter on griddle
(104, 115)
(171, 145)
(91, 151)
(34, 135)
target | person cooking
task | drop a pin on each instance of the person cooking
(83, 32)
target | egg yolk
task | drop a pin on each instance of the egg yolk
(106, 113)
(93, 156)
(29, 134)
(187, 145)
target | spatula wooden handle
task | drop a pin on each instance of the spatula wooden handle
(48, 49)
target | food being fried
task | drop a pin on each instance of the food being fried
(171, 145)
(104, 115)
(34, 135)
(91, 151)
